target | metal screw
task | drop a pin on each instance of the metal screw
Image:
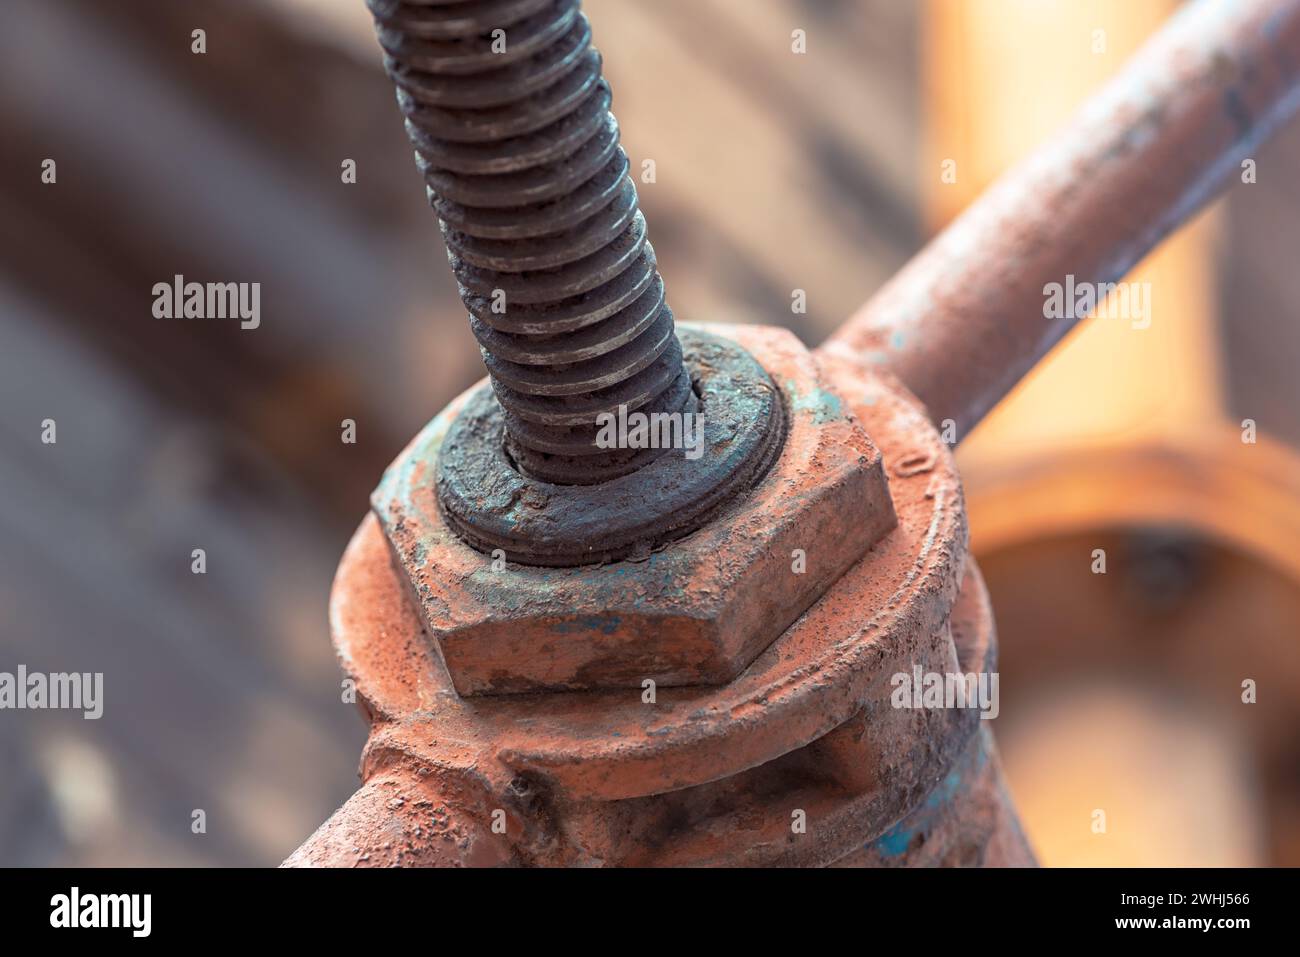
(509, 115)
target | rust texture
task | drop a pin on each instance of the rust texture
(693, 613)
(701, 774)
(510, 722)
(964, 321)
(509, 115)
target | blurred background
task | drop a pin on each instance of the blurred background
(775, 172)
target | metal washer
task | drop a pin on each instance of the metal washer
(490, 504)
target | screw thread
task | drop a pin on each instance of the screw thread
(509, 115)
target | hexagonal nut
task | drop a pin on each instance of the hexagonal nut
(696, 611)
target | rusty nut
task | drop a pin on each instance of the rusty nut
(696, 611)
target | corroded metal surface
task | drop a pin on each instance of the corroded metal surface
(402, 817)
(964, 321)
(509, 116)
(734, 434)
(714, 774)
(703, 774)
(967, 820)
(694, 612)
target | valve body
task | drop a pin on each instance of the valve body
(801, 752)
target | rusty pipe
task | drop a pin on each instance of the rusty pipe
(405, 816)
(964, 321)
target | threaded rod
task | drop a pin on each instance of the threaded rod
(509, 115)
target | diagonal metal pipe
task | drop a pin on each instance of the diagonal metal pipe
(963, 322)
